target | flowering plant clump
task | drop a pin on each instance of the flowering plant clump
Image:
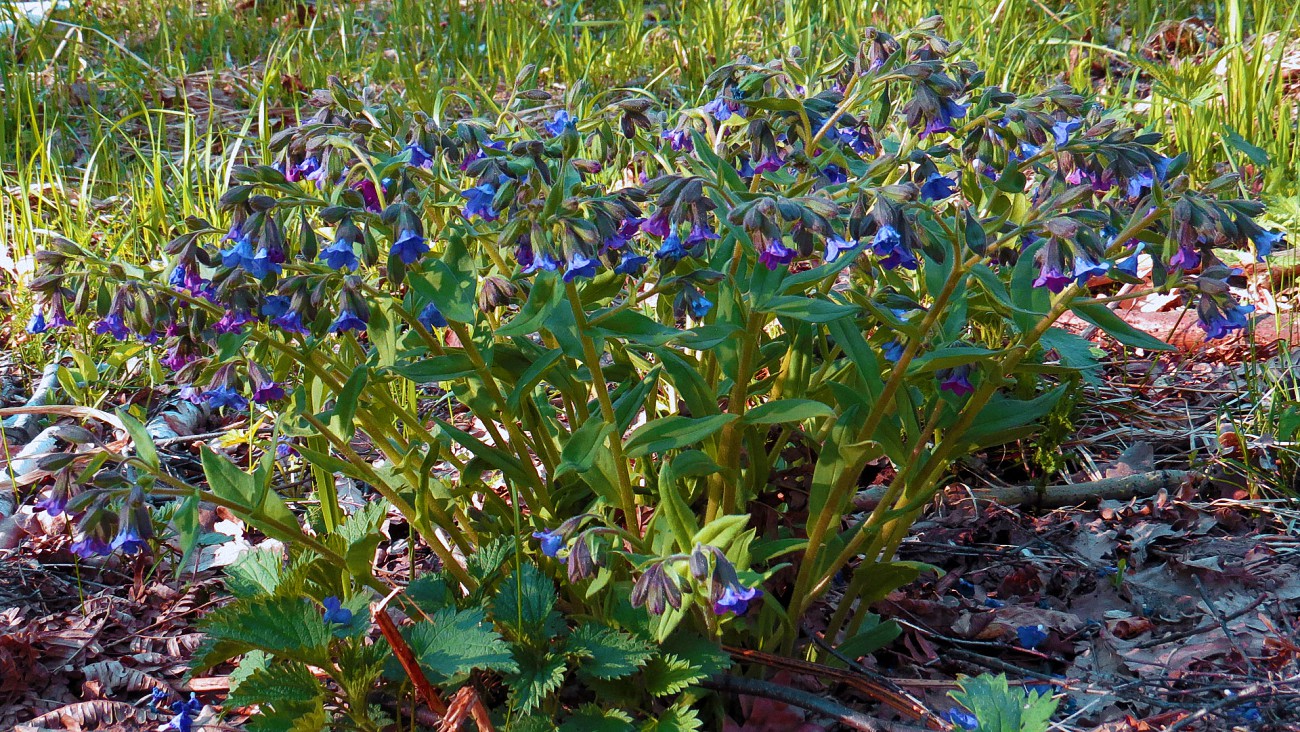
(655, 311)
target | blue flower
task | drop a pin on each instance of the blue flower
(696, 303)
(335, 612)
(1085, 269)
(888, 245)
(262, 263)
(938, 187)
(268, 391)
(1129, 265)
(347, 320)
(679, 139)
(129, 541)
(735, 599)
(291, 322)
(1061, 129)
(860, 140)
(431, 317)
(54, 503)
(834, 175)
(225, 396)
(37, 323)
(410, 246)
(551, 542)
(89, 546)
(942, 122)
(1027, 150)
(113, 325)
(836, 245)
(275, 305)
(960, 718)
(631, 263)
(420, 157)
(956, 380)
(1219, 323)
(478, 202)
(893, 350)
(580, 267)
(671, 249)
(1139, 183)
(558, 123)
(1265, 240)
(700, 232)
(1031, 636)
(722, 108)
(339, 255)
(240, 254)
(185, 711)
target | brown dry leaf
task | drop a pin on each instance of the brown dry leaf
(115, 678)
(86, 715)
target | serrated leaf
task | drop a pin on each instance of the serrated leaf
(999, 708)
(524, 600)
(536, 679)
(283, 686)
(607, 653)
(668, 673)
(451, 644)
(592, 718)
(677, 718)
(287, 627)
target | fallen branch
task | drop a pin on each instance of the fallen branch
(819, 705)
(21, 427)
(1119, 488)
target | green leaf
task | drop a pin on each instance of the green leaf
(524, 601)
(1075, 352)
(606, 653)
(635, 327)
(580, 451)
(999, 708)
(283, 626)
(877, 635)
(808, 309)
(257, 572)
(787, 410)
(669, 673)
(681, 519)
(670, 433)
(256, 504)
(531, 378)
(946, 358)
(360, 536)
(1106, 319)
(437, 369)
(284, 686)
(452, 293)
(1004, 418)
(538, 676)
(721, 531)
(1234, 140)
(593, 718)
(677, 718)
(143, 443)
(451, 644)
(542, 301)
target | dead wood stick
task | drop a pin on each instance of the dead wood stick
(819, 705)
(406, 657)
(1120, 488)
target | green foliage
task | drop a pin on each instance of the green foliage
(1001, 708)
(451, 644)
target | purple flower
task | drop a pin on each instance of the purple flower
(960, 718)
(225, 396)
(540, 261)
(580, 267)
(630, 227)
(561, 121)
(956, 380)
(179, 357)
(267, 392)
(735, 599)
(347, 320)
(658, 224)
(775, 254)
(304, 170)
(671, 249)
(431, 317)
(284, 448)
(893, 350)
(770, 162)
(233, 321)
(1052, 277)
(1085, 269)
(696, 303)
(369, 194)
(722, 109)
(58, 318)
(54, 502)
(335, 613)
(129, 541)
(860, 140)
(113, 325)
(888, 245)
(478, 202)
(1031, 636)
(835, 246)
(700, 233)
(551, 542)
(631, 263)
(679, 139)
(420, 157)
(410, 246)
(37, 324)
(942, 122)
(1185, 258)
(91, 545)
(938, 187)
(187, 278)
(339, 255)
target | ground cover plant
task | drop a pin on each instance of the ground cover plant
(577, 342)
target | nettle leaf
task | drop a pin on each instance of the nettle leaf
(677, 718)
(538, 676)
(359, 536)
(999, 708)
(284, 626)
(591, 718)
(685, 659)
(258, 572)
(607, 653)
(284, 686)
(524, 601)
(451, 644)
(670, 433)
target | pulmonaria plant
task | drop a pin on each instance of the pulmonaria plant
(646, 307)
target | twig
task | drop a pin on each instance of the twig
(1204, 627)
(1118, 488)
(1223, 623)
(405, 656)
(804, 700)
